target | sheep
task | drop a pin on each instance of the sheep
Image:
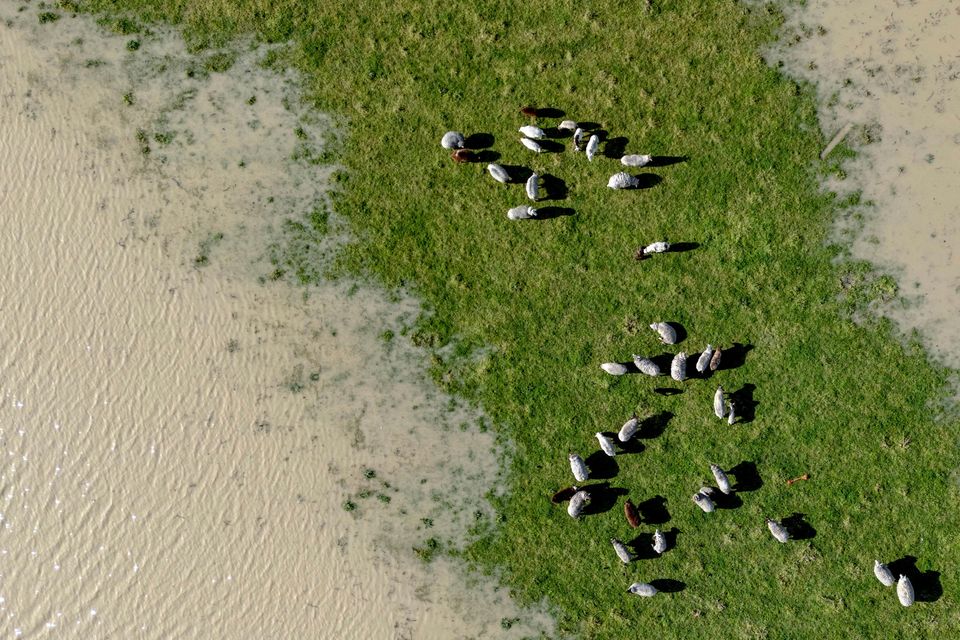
(718, 408)
(629, 429)
(661, 246)
(579, 467)
(883, 573)
(533, 132)
(533, 186)
(646, 366)
(668, 335)
(564, 494)
(577, 503)
(659, 542)
(715, 360)
(567, 125)
(577, 139)
(703, 362)
(678, 368)
(778, 531)
(622, 552)
(631, 514)
(453, 140)
(636, 160)
(642, 589)
(614, 368)
(529, 110)
(531, 144)
(523, 212)
(702, 500)
(592, 145)
(463, 155)
(722, 481)
(498, 173)
(731, 412)
(623, 180)
(606, 444)
(905, 591)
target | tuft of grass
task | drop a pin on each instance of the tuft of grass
(133, 45)
(46, 17)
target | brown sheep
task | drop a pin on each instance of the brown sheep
(463, 155)
(630, 511)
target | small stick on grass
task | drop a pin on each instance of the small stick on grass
(844, 130)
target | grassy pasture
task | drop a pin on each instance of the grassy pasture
(522, 313)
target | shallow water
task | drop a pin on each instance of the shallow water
(892, 71)
(182, 433)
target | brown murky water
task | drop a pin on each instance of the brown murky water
(892, 71)
(180, 434)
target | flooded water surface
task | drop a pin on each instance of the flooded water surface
(193, 447)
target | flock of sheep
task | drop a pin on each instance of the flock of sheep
(707, 362)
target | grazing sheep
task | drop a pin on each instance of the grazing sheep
(529, 110)
(629, 429)
(452, 140)
(636, 160)
(631, 513)
(646, 366)
(614, 368)
(715, 360)
(731, 412)
(579, 467)
(703, 501)
(622, 552)
(523, 212)
(678, 368)
(533, 186)
(703, 362)
(499, 173)
(577, 139)
(883, 573)
(606, 444)
(668, 335)
(577, 503)
(564, 494)
(661, 246)
(533, 132)
(567, 125)
(905, 591)
(778, 530)
(659, 542)
(718, 409)
(463, 155)
(623, 180)
(642, 589)
(722, 481)
(531, 144)
(592, 145)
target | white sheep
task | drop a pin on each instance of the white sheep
(622, 552)
(592, 145)
(567, 125)
(629, 429)
(703, 362)
(531, 144)
(452, 140)
(661, 246)
(668, 335)
(778, 530)
(579, 467)
(523, 212)
(678, 368)
(533, 132)
(702, 499)
(623, 180)
(614, 368)
(731, 412)
(883, 573)
(533, 187)
(606, 444)
(722, 481)
(718, 408)
(577, 503)
(659, 542)
(905, 591)
(636, 160)
(646, 366)
(498, 173)
(577, 139)
(642, 589)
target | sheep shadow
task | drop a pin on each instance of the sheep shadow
(725, 501)
(555, 188)
(667, 391)
(748, 479)
(517, 172)
(590, 126)
(743, 402)
(615, 147)
(654, 510)
(734, 356)
(563, 495)
(663, 362)
(647, 180)
(550, 112)
(666, 161)
(926, 584)
(668, 585)
(681, 332)
(631, 446)
(654, 426)
(477, 141)
(551, 146)
(486, 155)
(602, 466)
(799, 528)
(680, 247)
(602, 497)
(548, 213)
(642, 547)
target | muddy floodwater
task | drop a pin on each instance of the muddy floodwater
(192, 446)
(889, 73)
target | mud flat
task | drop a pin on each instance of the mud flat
(194, 447)
(890, 70)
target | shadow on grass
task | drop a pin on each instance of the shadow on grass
(593, 127)
(547, 213)
(555, 188)
(551, 146)
(486, 156)
(798, 527)
(926, 584)
(748, 479)
(563, 495)
(550, 112)
(654, 426)
(681, 247)
(654, 510)
(734, 356)
(743, 402)
(517, 173)
(668, 585)
(615, 148)
(725, 501)
(666, 161)
(602, 466)
(642, 547)
(602, 497)
(667, 391)
(479, 141)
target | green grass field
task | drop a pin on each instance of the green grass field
(523, 313)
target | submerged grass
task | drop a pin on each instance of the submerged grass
(550, 300)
